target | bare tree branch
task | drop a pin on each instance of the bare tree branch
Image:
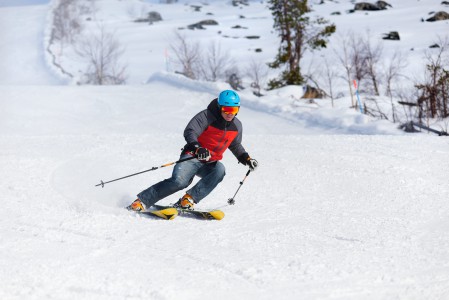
(215, 63)
(372, 55)
(258, 72)
(102, 52)
(188, 55)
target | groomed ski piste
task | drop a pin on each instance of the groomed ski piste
(342, 206)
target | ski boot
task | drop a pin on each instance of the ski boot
(186, 202)
(137, 205)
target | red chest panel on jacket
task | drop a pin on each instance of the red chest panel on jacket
(217, 141)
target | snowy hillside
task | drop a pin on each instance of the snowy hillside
(341, 207)
(324, 217)
(148, 47)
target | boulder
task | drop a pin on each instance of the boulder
(195, 26)
(200, 25)
(239, 27)
(408, 127)
(153, 16)
(311, 92)
(379, 5)
(439, 16)
(383, 4)
(208, 22)
(365, 6)
(196, 7)
(240, 2)
(392, 35)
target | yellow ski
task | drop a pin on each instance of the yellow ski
(208, 215)
(166, 213)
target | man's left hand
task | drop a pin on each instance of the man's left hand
(252, 164)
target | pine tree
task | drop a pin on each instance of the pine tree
(298, 33)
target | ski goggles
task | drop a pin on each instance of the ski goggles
(230, 109)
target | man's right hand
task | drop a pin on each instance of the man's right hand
(202, 154)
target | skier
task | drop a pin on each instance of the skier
(208, 135)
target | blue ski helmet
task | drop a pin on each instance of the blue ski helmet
(228, 98)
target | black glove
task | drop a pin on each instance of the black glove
(202, 154)
(252, 163)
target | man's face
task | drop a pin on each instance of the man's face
(227, 117)
(228, 112)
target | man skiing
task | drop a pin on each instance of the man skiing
(208, 135)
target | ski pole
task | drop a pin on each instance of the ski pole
(231, 201)
(152, 169)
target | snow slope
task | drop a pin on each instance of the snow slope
(342, 207)
(324, 217)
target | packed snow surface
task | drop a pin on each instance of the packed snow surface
(341, 207)
(325, 216)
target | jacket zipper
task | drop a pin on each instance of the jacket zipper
(218, 147)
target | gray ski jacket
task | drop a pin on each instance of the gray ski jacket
(209, 130)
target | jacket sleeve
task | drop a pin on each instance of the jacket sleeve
(193, 130)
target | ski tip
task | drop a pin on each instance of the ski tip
(217, 214)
